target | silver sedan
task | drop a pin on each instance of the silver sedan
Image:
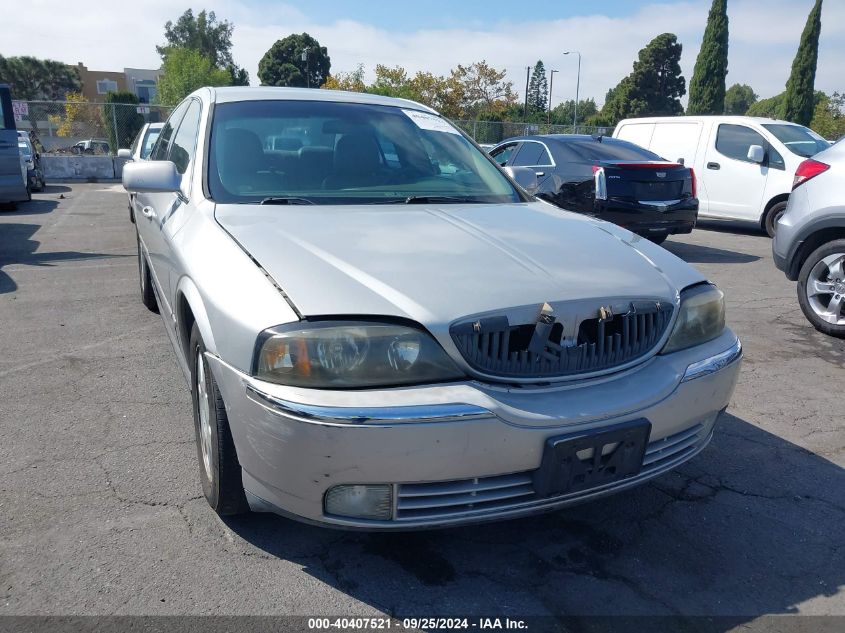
(381, 329)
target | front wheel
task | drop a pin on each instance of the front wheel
(821, 288)
(772, 216)
(220, 471)
(148, 297)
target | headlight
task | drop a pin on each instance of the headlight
(701, 318)
(343, 355)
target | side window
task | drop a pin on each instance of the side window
(503, 154)
(733, 141)
(185, 142)
(162, 145)
(775, 159)
(531, 155)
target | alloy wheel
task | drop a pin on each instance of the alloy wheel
(826, 288)
(204, 413)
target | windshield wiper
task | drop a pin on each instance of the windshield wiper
(429, 200)
(286, 200)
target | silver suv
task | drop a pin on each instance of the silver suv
(810, 242)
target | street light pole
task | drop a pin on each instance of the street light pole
(527, 75)
(551, 85)
(577, 89)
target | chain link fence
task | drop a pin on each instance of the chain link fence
(83, 127)
(492, 132)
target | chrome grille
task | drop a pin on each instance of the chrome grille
(495, 347)
(444, 499)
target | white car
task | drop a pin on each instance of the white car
(744, 165)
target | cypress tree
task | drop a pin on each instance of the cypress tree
(538, 88)
(707, 87)
(798, 102)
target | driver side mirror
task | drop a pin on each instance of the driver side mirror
(525, 177)
(155, 176)
(124, 153)
(756, 154)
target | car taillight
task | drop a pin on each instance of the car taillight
(694, 182)
(808, 169)
(601, 182)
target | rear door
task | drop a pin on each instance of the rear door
(734, 184)
(12, 169)
(535, 155)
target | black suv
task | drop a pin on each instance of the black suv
(607, 178)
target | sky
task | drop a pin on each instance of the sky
(436, 35)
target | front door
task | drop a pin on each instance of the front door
(734, 184)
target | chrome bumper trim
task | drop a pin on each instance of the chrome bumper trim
(714, 363)
(367, 415)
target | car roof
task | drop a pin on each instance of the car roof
(560, 138)
(229, 94)
(721, 117)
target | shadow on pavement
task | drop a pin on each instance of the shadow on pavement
(749, 527)
(730, 226)
(697, 254)
(18, 247)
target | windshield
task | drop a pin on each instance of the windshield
(797, 139)
(345, 153)
(149, 141)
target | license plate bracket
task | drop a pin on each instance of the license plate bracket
(605, 457)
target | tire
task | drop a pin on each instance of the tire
(819, 273)
(28, 193)
(657, 238)
(148, 297)
(770, 223)
(220, 471)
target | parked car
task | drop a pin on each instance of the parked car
(609, 179)
(34, 170)
(382, 331)
(143, 143)
(744, 164)
(13, 182)
(88, 146)
(809, 245)
(141, 148)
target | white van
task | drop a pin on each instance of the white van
(744, 165)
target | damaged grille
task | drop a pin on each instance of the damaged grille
(540, 350)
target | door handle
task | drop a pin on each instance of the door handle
(713, 166)
(148, 212)
(539, 174)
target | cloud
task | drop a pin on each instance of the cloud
(764, 38)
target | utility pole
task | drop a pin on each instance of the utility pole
(527, 75)
(577, 88)
(307, 67)
(551, 85)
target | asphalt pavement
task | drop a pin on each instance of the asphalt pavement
(101, 510)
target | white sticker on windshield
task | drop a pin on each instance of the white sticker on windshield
(427, 121)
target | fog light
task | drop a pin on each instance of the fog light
(360, 501)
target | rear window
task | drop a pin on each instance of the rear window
(797, 139)
(609, 149)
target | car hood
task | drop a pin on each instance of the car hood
(437, 263)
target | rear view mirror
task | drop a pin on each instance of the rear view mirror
(525, 177)
(155, 176)
(680, 161)
(124, 153)
(756, 154)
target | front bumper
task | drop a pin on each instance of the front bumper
(463, 452)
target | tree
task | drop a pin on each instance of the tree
(738, 98)
(798, 101)
(33, 79)
(185, 70)
(483, 90)
(352, 81)
(538, 88)
(212, 39)
(283, 64)
(655, 86)
(771, 108)
(80, 118)
(122, 123)
(829, 116)
(563, 113)
(707, 87)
